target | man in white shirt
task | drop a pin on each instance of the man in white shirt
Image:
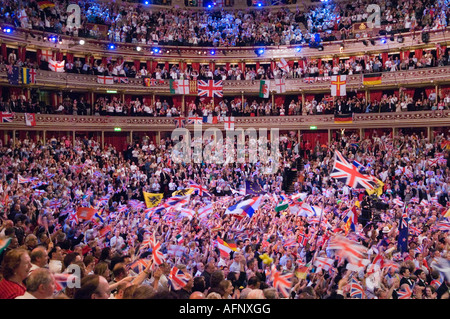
(40, 285)
(117, 241)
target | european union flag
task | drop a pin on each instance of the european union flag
(253, 188)
(13, 74)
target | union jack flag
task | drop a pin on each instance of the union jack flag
(356, 289)
(405, 292)
(303, 239)
(180, 121)
(158, 256)
(323, 262)
(442, 226)
(309, 80)
(139, 265)
(346, 172)
(210, 88)
(196, 120)
(199, 189)
(348, 249)
(282, 283)
(178, 279)
(6, 117)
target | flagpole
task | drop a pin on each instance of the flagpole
(317, 234)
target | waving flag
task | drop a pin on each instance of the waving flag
(189, 213)
(323, 263)
(346, 172)
(183, 192)
(210, 88)
(283, 65)
(152, 199)
(404, 292)
(62, 280)
(139, 265)
(350, 250)
(225, 248)
(199, 189)
(282, 283)
(86, 213)
(23, 180)
(158, 256)
(253, 188)
(205, 212)
(56, 66)
(178, 279)
(245, 207)
(176, 202)
(356, 289)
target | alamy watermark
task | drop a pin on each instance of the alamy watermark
(238, 146)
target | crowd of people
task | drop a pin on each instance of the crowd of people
(190, 244)
(131, 23)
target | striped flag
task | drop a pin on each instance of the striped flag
(225, 248)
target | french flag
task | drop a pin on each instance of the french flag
(245, 207)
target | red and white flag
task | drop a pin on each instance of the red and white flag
(283, 65)
(338, 85)
(30, 119)
(280, 85)
(56, 66)
(229, 123)
(104, 79)
(46, 55)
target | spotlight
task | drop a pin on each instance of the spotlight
(204, 52)
(298, 49)
(259, 51)
(259, 4)
(212, 52)
(138, 48)
(146, 2)
(82, 42)
(155, 50)
(320, 48)
(111, 46)
(53, 39)
(383, 40)
(7, 30)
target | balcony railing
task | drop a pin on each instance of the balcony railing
(107, 123)
(83, 82)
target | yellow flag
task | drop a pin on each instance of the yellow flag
(378, 190)
(184, 192)
(152, 199)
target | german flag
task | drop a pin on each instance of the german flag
(45, 4)
(372, 79)
(343, 118)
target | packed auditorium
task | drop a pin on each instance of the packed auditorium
(229, 149)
